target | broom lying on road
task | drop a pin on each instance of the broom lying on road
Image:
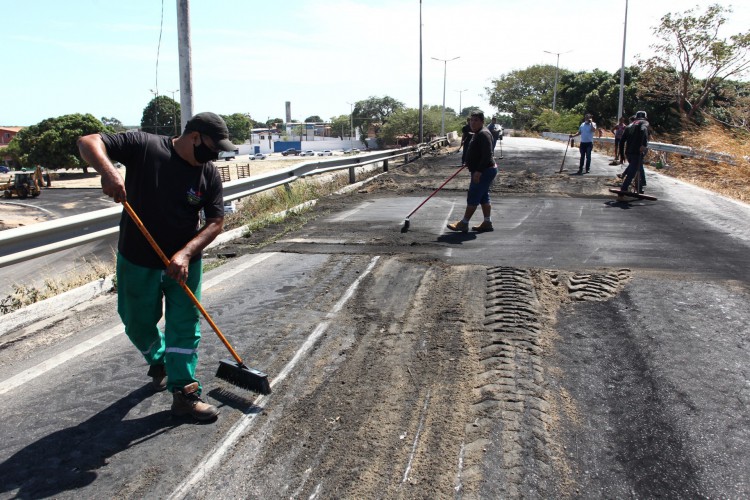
(236, 373)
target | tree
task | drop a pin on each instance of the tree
(275, 123)
(239, 126)
(374, 111)
(525, 93)
(113, 124)
(52, 142)
(690, 45)
(340, 126)
(161, 116)
(313, 119)
(405, 121)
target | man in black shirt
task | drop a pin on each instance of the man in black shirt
(483, 170)
(168, 181)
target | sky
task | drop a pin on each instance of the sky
(108, 57)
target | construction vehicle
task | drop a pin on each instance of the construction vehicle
(24, 184)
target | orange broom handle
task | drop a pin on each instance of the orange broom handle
(184, 286)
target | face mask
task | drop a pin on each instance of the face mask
(204, 154)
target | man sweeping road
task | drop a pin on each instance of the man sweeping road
(168, 181)
(483, 170)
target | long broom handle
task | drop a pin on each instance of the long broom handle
(184, 286)
(567, 143)
(438, 189)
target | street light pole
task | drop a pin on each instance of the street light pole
(421, 111)
(351, 121)
(460, 108)
(156, 110)
(174, 109)
(445, 74)
(557, 67)
(622, 67)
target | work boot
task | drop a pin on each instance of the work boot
(158, 374)
(484, 226)
(459, 226)
(187, 402)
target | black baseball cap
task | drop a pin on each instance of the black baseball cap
(213, 126)
(641, 114)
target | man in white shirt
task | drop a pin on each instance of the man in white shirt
(586, 131)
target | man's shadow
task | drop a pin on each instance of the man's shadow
(456, 238)
(69, 458)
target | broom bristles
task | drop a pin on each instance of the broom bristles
(243, 376)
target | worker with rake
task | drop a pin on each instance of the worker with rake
(169, 180)
(483, 170)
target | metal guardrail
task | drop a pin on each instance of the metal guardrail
(52, 236)
(658, 146)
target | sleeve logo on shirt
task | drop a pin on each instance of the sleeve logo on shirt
(194, 197)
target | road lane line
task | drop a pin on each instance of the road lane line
(416, 438)
(235, 433)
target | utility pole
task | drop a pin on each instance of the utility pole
(156, 110)
(622, 66)
(421, 111)
(445, 75)
(460, 109)
(557, 67)
(186, 64)
(351, 120)
(174, 109)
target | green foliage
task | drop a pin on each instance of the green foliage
(374, 111)
(161, 116)
(113, 125)
(525, 93)
(52, 142)
(553, 121)
(689, 44)
(340, 126)
(313, 119)
(406, 121)
(239, 126)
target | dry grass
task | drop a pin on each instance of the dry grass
(23, 295)
(729, 180)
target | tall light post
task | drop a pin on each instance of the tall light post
(156, 110)
(557, 67)
(445, 73)
(351, 120)
(421, 111)
(460, 108)
(622, 66)
(174, 109)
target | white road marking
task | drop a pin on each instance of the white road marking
(235, 433)
(416, 437)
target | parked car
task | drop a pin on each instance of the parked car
(228, 155)
(325, 152)
(290, 151)
(4, 169)
(309, 152)
(347, 151)
(258, 156)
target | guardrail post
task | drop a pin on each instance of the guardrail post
(385, 165)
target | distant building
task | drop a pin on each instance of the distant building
(7, 134)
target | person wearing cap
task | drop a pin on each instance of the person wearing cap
(168, 182)
(634, 146)
(586, 131)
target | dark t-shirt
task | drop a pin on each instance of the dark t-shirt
(635, 135)
(479, 156)
(165, 191)
(466, 134)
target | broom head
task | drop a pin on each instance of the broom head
(244, 377)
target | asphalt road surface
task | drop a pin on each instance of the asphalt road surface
(584, 348)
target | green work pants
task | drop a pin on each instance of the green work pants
(140, 294)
